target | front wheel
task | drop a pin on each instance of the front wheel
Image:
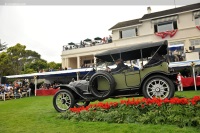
(63, 100)
(158, 86)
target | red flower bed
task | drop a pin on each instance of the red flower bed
(175, 111)
(140, 102)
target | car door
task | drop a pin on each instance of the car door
(132, 78)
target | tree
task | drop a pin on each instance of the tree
(29, 70)
(15, 60)
(5, 64)
(38, 65)
(2, 46)
(54, 66)
(19, 57)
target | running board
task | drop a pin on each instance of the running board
(120, 96)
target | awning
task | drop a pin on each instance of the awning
(177, 45)
(167, 19)
(69, 72)
(184, 63)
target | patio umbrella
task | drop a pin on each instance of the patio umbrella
(87, 40)
(71, 43)
(97, 38)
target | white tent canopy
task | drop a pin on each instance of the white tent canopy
(43, 74)
(184, 63)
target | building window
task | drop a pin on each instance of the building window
(195, 42)
(166, 26)
(128, 33)
(197, 21)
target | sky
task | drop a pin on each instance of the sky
(45, 29)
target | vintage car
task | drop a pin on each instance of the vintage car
(153, 79)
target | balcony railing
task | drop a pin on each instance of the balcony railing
(85, 44)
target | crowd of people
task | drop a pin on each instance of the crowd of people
(184, 74)
(87, 43)
(14, 90)
(48, 86)
(175, 56)
(89, 65)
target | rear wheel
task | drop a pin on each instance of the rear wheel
(63, 100)
(158, 86)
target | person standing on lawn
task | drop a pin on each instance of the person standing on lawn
(180, 86)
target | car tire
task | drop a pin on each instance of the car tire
(158, 86)
(82, 104)
(63, 100)
(94, 90)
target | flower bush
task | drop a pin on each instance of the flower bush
(177, 111)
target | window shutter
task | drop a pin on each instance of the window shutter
(120, 34)
(136, 31)
(175, 25)
(155, 28)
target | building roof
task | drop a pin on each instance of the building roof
(155, 15)
(126, 23)
(171, 11)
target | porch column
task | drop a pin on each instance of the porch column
(63, 62)
(95, 62)
(78, 62)
(66, 62)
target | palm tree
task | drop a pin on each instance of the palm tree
(2, 46)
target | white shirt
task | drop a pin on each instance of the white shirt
(179, 78)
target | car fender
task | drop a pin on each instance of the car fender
(171, 76)
(72, 89)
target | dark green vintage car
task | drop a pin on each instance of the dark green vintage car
(154, 79)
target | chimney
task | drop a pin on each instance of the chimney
(149, 10)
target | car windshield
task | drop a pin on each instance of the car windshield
(103, 64)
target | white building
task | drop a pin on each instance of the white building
(178, 26)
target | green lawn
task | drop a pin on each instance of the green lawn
(37, 115)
